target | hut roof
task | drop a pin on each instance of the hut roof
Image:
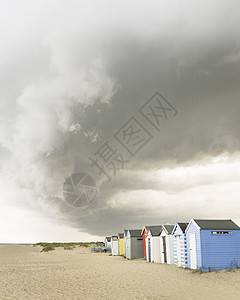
(120, 235)
(183, 226)
(108, 238)
(217, 224)
(169, 228)
(135, 232)
(155, 230)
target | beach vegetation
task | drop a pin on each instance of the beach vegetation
(66, 246)
(47, 248)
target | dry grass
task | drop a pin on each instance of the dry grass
(66, 246)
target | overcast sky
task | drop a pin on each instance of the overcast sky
(74, 73)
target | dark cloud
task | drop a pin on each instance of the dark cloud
(73, 83)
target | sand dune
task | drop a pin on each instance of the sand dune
(78, 274)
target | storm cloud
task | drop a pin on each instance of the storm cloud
(72, 73)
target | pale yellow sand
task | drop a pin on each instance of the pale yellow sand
(25, 273)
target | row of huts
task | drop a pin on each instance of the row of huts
(207, 245)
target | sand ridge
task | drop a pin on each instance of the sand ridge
(79, 274)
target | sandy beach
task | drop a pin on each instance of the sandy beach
(26, 273)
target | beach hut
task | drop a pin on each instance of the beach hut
(108, 242)
(153, 243)
(114, 241)
(121, 244)
(144, 236)
(213, 245)
(180, 244)
(166, 244)
(134, 248)
(125, 241)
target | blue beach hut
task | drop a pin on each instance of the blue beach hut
(213, 245)
(180, 244)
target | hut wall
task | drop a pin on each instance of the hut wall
(220, 251)
(121, 246)
(115, 245)
(144, 243)
(125, 242)
(148, 248)
(136, 247)
(193, 229)
(155, 249)
(169, 240)
(128, 247)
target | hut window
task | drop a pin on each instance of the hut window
(221, 232)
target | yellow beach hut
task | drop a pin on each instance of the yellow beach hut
(120, 244)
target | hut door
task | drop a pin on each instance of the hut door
(164, 249)
(149, 250)
(128, 248)
(193, 254)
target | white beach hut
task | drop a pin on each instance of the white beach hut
(153, 253)
(108, 242)
(166, 244)
(114, 241)
(125, 241)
